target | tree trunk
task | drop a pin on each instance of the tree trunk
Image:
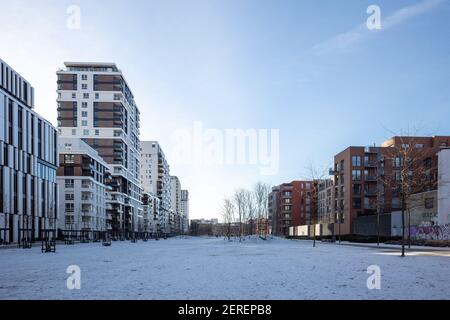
(403, 226)
(378, 228)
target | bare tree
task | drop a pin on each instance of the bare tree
(228, 210)
(250, 211)
(239, 199)
(315, 175)
(413, 171)
(261, 194)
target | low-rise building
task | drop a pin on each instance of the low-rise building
(83, 192)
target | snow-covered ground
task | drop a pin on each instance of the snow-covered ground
(211, 268)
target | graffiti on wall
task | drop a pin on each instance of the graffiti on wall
(428, 231)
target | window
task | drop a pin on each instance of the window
(69, 183)
(84, 114)
(356, 203)
(85, 132)
(85, 95)
(84, 86)
(74, 132)
(97, 96)
(84, 123)
(356, 175)
(419, 145)
(74, 95)
(69, 158)
(397, 162)
(97, 132)
(84, 77)
(84, 104)
(356, 189)
(69, 208)
(69, 196)
(428, 163)
(405, 146)
(429, 203)
(356, 161)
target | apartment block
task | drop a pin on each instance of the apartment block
(325, 201)
(185, 211)
(291, 204)
(96, 105)
(82, 176)
(151, 213)
(155, 175)
(175, 193)
(367, 178)
(28, 163)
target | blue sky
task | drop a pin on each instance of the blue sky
(308, 68)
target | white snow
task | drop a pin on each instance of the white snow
(211, 268)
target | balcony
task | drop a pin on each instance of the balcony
(370, 206)
(370, 193)
(371, 164)
(370, 178)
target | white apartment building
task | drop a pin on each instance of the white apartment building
(155, 176)
(95, 104)
(444, 187)
(176, 204)
(81, 182)
(185, 211)
(151, 214)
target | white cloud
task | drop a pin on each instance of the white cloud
(345, 40)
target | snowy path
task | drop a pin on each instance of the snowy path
(210, 268)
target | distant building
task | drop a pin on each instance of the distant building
(176, 204)
(291, 204)
(28, 162)
(151, 213)
(204, 227)
(185, 211)
(155, 176)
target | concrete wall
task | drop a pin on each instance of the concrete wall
(444, 187)
(367, 225)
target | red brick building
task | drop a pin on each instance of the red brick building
(361, 174)
(291, 204)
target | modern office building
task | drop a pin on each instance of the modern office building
(185, 211)
(155, 175)
(28, 162)
(81, 177)
(96, 104)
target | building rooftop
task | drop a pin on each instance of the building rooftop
(92, 65)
